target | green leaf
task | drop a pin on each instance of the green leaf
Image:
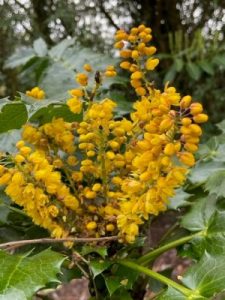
(213, 149)
(20, 57)
(9, 139)
(99, 266)
(55, 110)
(219, 60)
(57, 80)
(205, 218)
(4, 207)
(75, 58)
(179, 63)
(170, 74)
(207, 276)
(12, 116)
(13, 293)
(197, 219)
(216, 183)
(202, 170)
(193, 70)
(179, 200)
(40, 47)
(171, 294)
(57, 51)
(123, 106)
(121, 294)
(28, 274)
(214, 239)
(112, 283)
(126, 276)
(221, 126)
(206, 67)
(102, 251)
(206, 279)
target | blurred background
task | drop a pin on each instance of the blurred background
(44, 42)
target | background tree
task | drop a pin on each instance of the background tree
(189, 34)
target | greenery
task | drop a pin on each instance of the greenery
(47, 46)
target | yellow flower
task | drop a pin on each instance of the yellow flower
(110, 227)
(4, 179)
(53, 210)
(152, 63)
(102, 175)
(87, 68)
(76, 93)
(36, 93)
(91, 225)
(75, 105)
(82, 79)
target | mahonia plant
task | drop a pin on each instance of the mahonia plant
(105, 176)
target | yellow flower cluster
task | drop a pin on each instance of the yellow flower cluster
(103, 176)
(36, 93)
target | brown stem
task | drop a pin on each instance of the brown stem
(51, 240)
(107, 14)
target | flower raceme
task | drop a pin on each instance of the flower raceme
(104, 176)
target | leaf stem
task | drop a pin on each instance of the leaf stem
(154, 253)
(185, 291)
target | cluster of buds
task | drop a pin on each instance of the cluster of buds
(138, 55)
(103, 176)
(36, 93)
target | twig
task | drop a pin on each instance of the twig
(107, 15)
(51, 240)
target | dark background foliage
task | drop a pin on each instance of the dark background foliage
(188, 33)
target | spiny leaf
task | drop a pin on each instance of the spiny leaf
(57, 51)
(20, 57)
(99, 266)
(179, 200)
(205, 217)
(126, 276)
(207, 276)
(221, 126)
(54, 110)
(102, 251)
(112, 284)
(206, 279)
(121, 294)
(12, 116)
(57, 80)
(197, 219)
(40, 47)
(214, 240)
(200, 173)
(9, 139)
(171, 294)
(216, 183)
(28, 274)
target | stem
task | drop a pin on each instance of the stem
(154, 253)
(103, 167)
(70, 181)
(51, 240)
(185, 291)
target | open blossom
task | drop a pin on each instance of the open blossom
(105, 176)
